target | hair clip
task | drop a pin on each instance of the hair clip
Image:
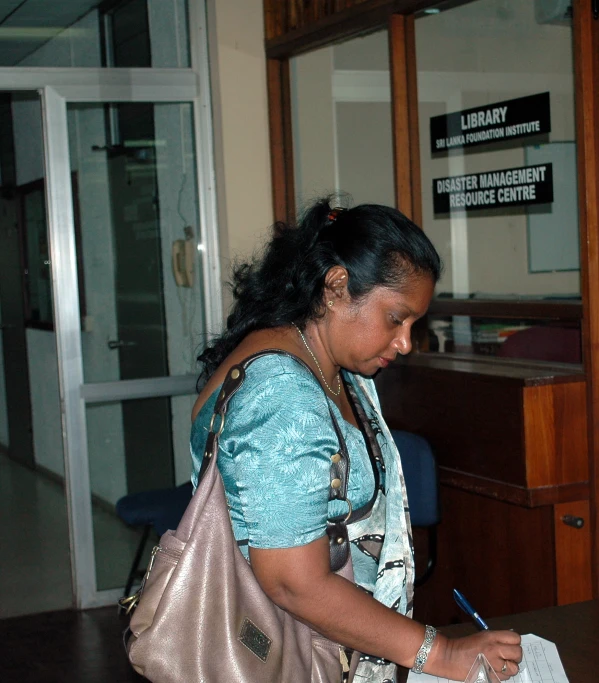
(334, 214)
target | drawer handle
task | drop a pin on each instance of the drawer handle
(571, 520)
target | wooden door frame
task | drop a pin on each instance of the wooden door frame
(398, 18)
(355, 21)
(281, 138)
(586, 64)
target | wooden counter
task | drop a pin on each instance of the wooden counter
(510, 439)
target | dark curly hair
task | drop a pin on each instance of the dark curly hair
(377, 245)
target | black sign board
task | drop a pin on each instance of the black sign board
(497, 122)
(494, 189)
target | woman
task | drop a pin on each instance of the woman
(341, 292)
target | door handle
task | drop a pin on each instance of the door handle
(119, 344)
(572, 520)
(6, 326)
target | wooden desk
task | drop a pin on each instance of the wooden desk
(573, 628)
(510, 439)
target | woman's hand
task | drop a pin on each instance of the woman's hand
(299, 580)
(453, 657)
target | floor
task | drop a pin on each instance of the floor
(35, 564)
(65, 647)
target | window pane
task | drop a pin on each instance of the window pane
(341, 108)
(129, 456)
(131, 33)
(499, 176)
(33, 501)
(141, 240)
(539, 340)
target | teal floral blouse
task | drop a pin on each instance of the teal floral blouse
(274, 459)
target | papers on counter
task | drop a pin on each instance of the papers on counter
(540, 664)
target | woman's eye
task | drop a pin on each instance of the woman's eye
(395, 321)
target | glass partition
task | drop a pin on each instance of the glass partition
(36, 571)
(142, 262)
(525, 339)
(88, 33)
(341, 120)
(498, 149)
(115, 471)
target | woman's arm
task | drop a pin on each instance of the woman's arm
(299, 581)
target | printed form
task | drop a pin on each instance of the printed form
(540, 664)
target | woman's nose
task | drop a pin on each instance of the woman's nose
(403, 343)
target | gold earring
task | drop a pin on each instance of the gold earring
(330, 304)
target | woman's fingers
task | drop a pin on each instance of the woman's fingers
(506, 669)
(507, 637)
(511, 652)
(506, 653)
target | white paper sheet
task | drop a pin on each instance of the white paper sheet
(541, 664)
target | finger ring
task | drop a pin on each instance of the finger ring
(504, 667)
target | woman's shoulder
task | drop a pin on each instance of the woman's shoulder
(276, 377)
(275, 364)
(280, 379)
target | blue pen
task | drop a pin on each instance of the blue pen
(467, 607)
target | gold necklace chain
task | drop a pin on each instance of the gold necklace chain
(335, 393)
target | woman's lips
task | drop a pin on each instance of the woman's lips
(383, 362)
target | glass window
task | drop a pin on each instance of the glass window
(498, 149)
(341, 119)
(88, 33)
(36, 256)
(127, 35)
(37, 260)
(142, 245)
(525, 339)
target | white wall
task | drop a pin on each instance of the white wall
(238, 72)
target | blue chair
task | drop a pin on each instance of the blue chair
(160, 509)
(420, 473)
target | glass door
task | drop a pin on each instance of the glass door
(133, 264)
(32, 492)
(132, 261)
(140, 248)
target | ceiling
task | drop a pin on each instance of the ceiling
(25, 25)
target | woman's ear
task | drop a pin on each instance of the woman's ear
(335, 283)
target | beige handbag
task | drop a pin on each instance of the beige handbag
(200, 615)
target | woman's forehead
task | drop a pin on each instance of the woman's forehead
(415, 292)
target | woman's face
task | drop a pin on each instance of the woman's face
(366, 336)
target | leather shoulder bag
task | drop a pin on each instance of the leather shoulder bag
(200, 615)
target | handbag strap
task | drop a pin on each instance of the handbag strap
(339, 471)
